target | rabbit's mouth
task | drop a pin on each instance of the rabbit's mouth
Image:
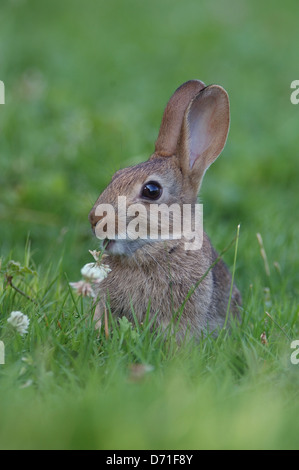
(117, 247)
(122, 246)
(108, 244)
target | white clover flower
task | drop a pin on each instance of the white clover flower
(83, 288)
(19, 321)
(95, 254)
(94, 272)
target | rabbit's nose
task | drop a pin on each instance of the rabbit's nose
(94, 219)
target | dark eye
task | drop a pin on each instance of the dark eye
(151, 190)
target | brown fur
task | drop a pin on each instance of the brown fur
(160, 274)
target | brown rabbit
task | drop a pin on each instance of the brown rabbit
(155, 276)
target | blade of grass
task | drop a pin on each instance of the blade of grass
(278, 326)
(233, 276)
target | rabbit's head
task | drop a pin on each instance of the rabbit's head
(193, 132)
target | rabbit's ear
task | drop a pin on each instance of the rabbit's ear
(171, 125)
(204, 132)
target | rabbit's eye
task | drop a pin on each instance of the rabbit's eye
(151, 190)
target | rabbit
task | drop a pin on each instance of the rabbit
(154, 277)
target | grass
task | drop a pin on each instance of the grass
(85, 91)
(66, 387)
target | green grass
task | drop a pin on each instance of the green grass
(85, 91)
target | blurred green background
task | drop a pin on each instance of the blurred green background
(86, 84)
